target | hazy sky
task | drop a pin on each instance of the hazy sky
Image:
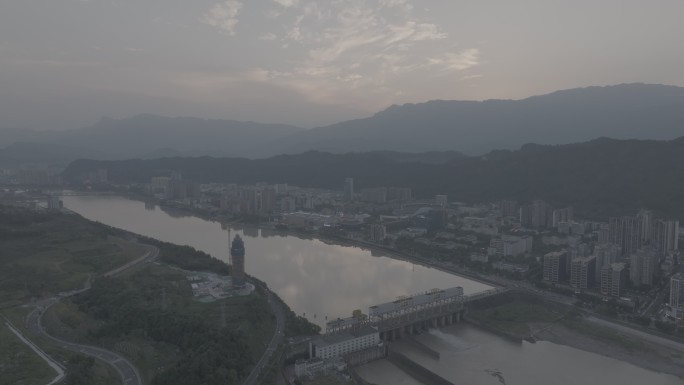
(66, 63)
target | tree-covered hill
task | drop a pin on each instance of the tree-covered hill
(601, 177)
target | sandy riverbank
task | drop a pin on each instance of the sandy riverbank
(647, 355)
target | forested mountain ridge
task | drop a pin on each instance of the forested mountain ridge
(601, 177)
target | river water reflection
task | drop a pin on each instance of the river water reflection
(314, 278)
(319, 280)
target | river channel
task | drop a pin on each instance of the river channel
(321, 280)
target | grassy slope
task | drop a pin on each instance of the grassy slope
(19, 365)
(57, 254)
(41, 255)
(153, 357)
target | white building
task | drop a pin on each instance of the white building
(677, 295)
(336, 345)
(511, 245)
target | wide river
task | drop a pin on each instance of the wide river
(320, 280)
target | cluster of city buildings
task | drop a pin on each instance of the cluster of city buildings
(629, 249)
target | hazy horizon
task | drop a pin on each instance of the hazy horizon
(67, 63)
(171, 116)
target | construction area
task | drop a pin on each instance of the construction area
(208, 287)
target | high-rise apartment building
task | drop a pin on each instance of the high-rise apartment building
(645, 218)
(613, 279)
(605, 255)
(555, 266)
(537, 215)
(349, 189)
(375, 195)
(509, 208)
(677, 295)
(562, 215)
(399, 194)
(604, 235)
(642, 266)
(582, 272)
(665, 236)
(626, 233)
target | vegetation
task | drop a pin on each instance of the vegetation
(147, 314)
(599, 178)
(514, 317)
(45, 253)
(151, 317)
(80, 370)
(19, 365)
(188, 258)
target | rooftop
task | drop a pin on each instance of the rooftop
(331, 339)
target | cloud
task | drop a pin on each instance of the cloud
(224, 16)
(402, 4)
(475, 76)
(287, 3)
(458, 61)
(351, 51)
(268, 36)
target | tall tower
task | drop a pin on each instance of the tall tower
(237, 254)
(349, 189)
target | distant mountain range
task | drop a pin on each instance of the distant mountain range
(628, 111)
(599, 178)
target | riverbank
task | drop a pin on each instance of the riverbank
(532, 319)
(640, 353)
(374, 248)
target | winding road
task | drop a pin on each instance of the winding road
(56, 366)
(128, 372)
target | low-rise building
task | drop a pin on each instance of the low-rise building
(378, 233)
(336, 345)
(511, 267)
